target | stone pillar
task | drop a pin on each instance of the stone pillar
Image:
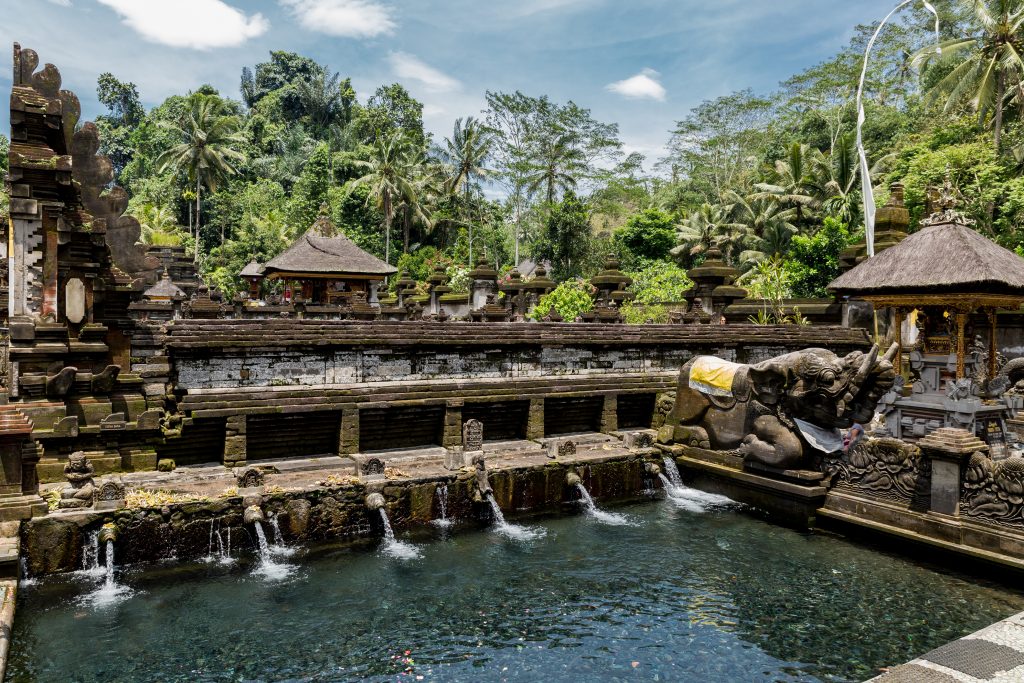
(949, 450)
(452, 437)
(348, 432)
(961, 349)
(535, 420)
(234, 441)
(610, 414)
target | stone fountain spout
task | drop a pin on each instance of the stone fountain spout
(573, 478)
(375, 501)
(253, 514)
(483, 485)
(108, 532)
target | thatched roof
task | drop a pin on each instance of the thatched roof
(324, 250)
(253, 269)
(948, 257)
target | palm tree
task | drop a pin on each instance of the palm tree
(986, 63)
(792, 182)
(390, 178)
(159, 225)
(466, 152)
(321, 100)
(704, 228)
(206, 152)
(837, 177)
(558, 163)
(762, 225)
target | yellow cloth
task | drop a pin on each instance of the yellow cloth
(711, 375)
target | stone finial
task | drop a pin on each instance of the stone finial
(952, 442)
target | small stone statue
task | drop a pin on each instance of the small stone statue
(80, 489)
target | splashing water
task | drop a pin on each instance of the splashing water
(222, 555)
(597, 513)
(509, 530)
(25, 579)
(393, 547)
(269, 569)
(442, 507)
(673, 472)
(280, 547)
(693, 500)
(91, 556)
(109, 592)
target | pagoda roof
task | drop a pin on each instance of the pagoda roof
(253, 269)
(325, 250)
(946, 258)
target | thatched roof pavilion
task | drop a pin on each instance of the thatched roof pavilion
(329, 264)
(946, 266)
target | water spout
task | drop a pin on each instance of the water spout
(253, 515)
(375, 501)
(509, 530)
(279, 547)
(597, 513)
(109, 592)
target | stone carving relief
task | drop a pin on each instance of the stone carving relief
(994, 490)
(473, 435)
(886, 467)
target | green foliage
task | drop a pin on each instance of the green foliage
(813, 261)
(418, 264)
(571, 298)
(641, 314)
(650, 234)
(567, 238)
(659, 282)
(311, 190)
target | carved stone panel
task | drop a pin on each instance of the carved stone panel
(473, 435)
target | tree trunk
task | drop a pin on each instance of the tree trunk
(199, 188)
(470, 223)
(387, 227)
(406, 229)
(998, 123)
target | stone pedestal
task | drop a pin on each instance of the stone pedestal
(453, 430)
(610, 414)
(948, 449)
(535, 419)
(348, 432)
(235, 441)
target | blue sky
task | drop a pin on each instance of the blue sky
(639, 63)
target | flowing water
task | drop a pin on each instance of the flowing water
(222, 554)
(516, 532)
(688, 498)
(603, 516)
(720, 596)
(269, 568)
(393, 547)
(279, 547)
(442, 507)
(109, 592)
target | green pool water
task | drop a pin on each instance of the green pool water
(685, 592)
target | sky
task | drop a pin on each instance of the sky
(640, 63)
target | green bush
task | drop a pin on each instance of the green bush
(658, 282)
(570, 299)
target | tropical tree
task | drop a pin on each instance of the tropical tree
(706, 227)
(159, 225)
(206, 152)
(321, 99)
(389, 176)
(837, 178)
(792, 182)
(557, 165)
(466, 152)
(984, 64)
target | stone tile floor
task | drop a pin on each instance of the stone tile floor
(994, 654)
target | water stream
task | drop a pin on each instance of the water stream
(269, 568)
(442, 507)
(222, 554)
(109, 592)
(279, 547)
(603, 516)
(514, 531)
(690, 499)
(393, 547)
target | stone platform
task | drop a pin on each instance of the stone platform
(994, 654)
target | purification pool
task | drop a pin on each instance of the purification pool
(686, 591)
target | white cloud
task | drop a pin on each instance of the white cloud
(62, 3)
(346, 18)
(198, 24)
(409, 67)
(644, 85)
